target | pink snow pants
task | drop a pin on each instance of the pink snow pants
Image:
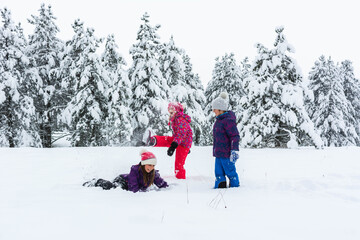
(180, 154)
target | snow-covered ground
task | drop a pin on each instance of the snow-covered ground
(284, 194)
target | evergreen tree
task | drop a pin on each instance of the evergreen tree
(172, 68)
(274, 113)
(119, 129)
(185, 86)
(43, 49)
(69, 54)
(194, 102)
(245, 68)
(150, 89)
(87, 110)
(352, 91)
(226, 77)
(330, 111)
(17, 118)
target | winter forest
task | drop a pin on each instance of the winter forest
(52, 88)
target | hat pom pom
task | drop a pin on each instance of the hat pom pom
(224, 95)
(143, 151)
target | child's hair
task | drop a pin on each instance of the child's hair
(148, 177)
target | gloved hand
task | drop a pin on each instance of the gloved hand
(234, 156)
(172, 148)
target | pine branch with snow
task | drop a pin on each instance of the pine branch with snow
(226, 78)
(17, 120)
(194, 102)
(87, 110)
(274, 110)
(43, 51)
(149, 87)
(118, 122)
(352, 91)
(331, 112)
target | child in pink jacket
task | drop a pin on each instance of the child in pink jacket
(180, 141)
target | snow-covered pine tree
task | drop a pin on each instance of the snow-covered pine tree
(185, 86)
(43, 48)
(119, 129)
(173, 68)
(245, 68)
(17, 115)
(150, 89)
(194, 102)
(331, 112)
(352, 91)
(67, 71)
(226, 77)
(274, 113)
(88, 108)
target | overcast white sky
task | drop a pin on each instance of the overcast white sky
(208, 28)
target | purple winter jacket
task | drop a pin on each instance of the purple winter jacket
(135, 179)
(226, 135)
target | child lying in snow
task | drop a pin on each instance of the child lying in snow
(141, 176)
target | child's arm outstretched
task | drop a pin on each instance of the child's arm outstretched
(159, 182)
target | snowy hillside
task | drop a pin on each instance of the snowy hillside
(284, 194)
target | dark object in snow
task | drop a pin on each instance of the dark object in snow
(90, 183)
(172, 148)
(152, 142)
(222, 185)
(121, 181)
(105, 184)
(149, 140)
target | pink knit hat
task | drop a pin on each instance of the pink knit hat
(177, 106)
(147, 157)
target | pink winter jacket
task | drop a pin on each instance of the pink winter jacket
(180, 124)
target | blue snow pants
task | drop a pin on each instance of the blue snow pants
(224, 167)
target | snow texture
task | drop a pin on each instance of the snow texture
(284, 194)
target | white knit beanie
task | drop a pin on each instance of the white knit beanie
(147, 157)
(221, 102)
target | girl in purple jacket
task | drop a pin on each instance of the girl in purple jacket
(140, 178)
(226, 143)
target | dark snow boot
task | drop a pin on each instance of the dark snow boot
(106, 185)
(222, 185)
(150, 140)
(90, 183)
(120, 181)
